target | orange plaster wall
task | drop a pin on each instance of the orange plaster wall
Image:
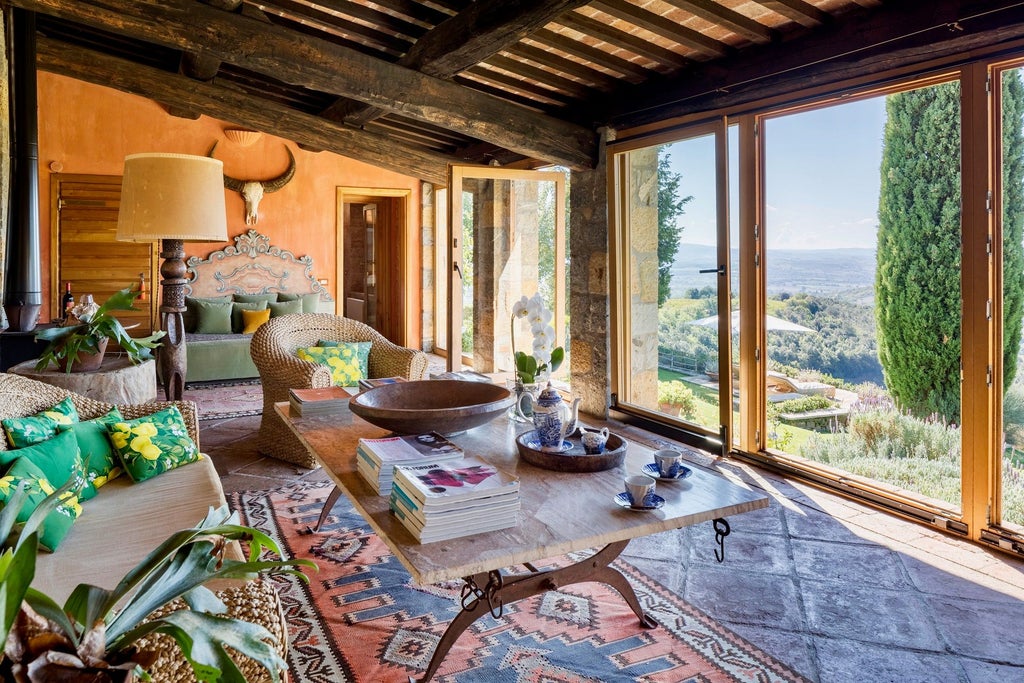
(84, 128)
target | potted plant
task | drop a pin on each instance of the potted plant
(79, 347)
(676, 399)
(93, 636)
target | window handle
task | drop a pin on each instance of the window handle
(720, 270)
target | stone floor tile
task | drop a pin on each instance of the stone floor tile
(228, 460)
(809, 523)
(987, 672)
(897, 618)
(796, 650)
(956, 550)
(668, 545)
(982, 630)
(767, 521)
(750, 552)
(848, 661)
(745, 597)
(939, 577)
(669, 574)
(853, 564)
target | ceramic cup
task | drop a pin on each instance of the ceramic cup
(594, 442)
(639, 488)
(668, 462)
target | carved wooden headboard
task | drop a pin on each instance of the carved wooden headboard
(252, 266)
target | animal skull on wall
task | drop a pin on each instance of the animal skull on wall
(253, 190)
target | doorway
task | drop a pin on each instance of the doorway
(376, 260)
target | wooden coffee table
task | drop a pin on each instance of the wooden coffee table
(561, 513)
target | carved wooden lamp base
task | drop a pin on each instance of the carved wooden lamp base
(171, 354)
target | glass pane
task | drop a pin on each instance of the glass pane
(508, 252)
(1012, 158)
(441, 266)
(863, 289)
(674, 367)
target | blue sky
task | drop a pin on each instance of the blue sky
(822, 178)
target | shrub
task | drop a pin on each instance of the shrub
(675, 393)
(805, 404)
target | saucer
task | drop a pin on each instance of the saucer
(651, 470)
(535, 445)
(622, 500)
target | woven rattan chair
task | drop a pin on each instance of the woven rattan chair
(273, 350)
(253, 601)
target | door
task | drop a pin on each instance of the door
(506, 240)
(678, 324)
(85, 252)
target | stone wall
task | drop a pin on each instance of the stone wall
(642, 208)
(428, 227)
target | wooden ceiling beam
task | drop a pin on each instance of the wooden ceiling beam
(562, 64)
(867, 42)
(661, 26)
(633, 72)
(799, 11)
(198, 64)
(322, 65)
(227, 104)
(711, 11)
(627, 41)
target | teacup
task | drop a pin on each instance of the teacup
(639, 488)
(668, 462)
(594, 442)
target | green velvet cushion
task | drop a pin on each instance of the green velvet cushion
(310, 302)
(101, 465)
(58, 458)
(342, 361)
(268, 297)
(57, 524)
(237, 324)
(154, 444)
(285, 307)
(25, 431)
(213, 317)
(361, 350)
(191, 316)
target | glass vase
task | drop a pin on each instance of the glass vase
(522, 411)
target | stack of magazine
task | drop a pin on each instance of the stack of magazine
(376, 458)
(320, 401)
(438, 501)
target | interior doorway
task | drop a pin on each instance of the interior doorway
(376, 261)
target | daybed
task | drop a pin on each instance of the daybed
(239, 276)
(125, 521)
(274, 351)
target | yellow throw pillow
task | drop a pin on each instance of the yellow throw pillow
(342, 361)
(253, 319)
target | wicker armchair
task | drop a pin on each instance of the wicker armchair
(273, 350)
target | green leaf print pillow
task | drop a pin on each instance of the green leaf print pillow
(101, 465)
(28, 431)
(57, 524)
(342, 361)
(154, 444)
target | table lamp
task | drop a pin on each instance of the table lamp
(172, 198)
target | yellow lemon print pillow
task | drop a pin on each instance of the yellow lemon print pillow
(343, 361)
(154, 444)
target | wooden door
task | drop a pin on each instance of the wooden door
(84, 249)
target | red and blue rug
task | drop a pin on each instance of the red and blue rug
(360, 619)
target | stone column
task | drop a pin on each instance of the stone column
(491, 218)
(428, 233)
(642, 207)
(590, 344)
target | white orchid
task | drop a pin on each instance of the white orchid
(544, 354)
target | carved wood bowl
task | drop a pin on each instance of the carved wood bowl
(446, 406)
(573, 458)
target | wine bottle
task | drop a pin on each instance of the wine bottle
(67, 302)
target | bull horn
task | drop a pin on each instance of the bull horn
(233, 184)
(280, 181)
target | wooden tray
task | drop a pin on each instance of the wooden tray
(575, 459)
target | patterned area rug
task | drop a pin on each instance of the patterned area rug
(360, 619)
(222, 400)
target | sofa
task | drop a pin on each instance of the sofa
(125, 521)
(275, 347)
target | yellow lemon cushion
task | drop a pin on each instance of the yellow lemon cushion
(346, 370)
(253, 319)
(154, 444)
(27, 431)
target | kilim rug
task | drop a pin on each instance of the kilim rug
(221, 400)
(360, 619)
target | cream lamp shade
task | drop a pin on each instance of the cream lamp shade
(172, 196)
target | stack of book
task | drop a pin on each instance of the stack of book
(376, 458)
(370, 383)
(464, 375)
(438, 501)
(320, 401)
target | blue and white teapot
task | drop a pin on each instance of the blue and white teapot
(553, 418)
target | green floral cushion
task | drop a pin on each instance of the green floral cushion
(342, 361)
(213, 317)
(101, 465)
(154, 444)
(310, 302)
(58, 458)
(57, 524)
(284, 307)
(362, 351)
(26, 431)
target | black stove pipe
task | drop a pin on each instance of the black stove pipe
(23, 286)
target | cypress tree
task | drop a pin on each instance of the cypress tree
(1013, 220)
(670, 207)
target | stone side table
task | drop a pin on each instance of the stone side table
(117, 380)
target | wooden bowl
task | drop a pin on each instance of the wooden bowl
(574, 459)
(446, 406)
